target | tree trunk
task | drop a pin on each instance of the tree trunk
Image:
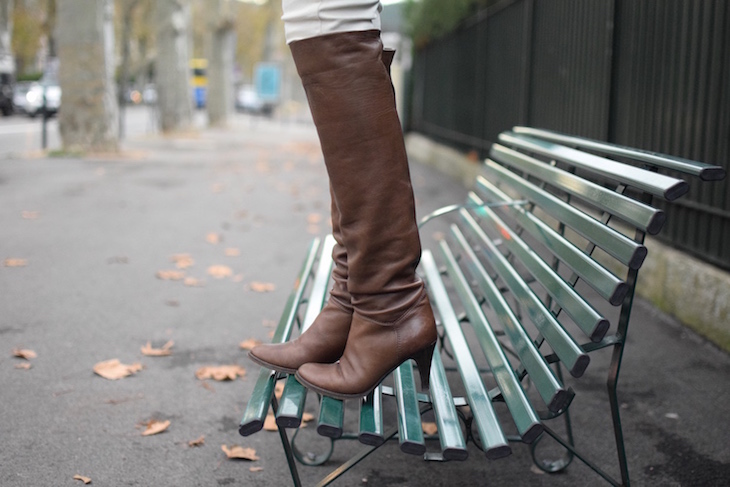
(221, 54)
(88, 115)
(172, 72)
(6, 34)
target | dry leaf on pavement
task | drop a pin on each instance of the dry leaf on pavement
(314, 218)
(15, 262)
(220, 372)
(170, 275)
(182, 261)
(220, 271)
(270, 423)
(240, 452)
(232, 252)
(24, 366)
(197, 442)
(307, 417)
(157, 352)
(24, 353)
(261, 287)
(249, 343)
(193, 282)
(154, 427)
(237, 278)
(429, 428)
(113, 369)
(213, 238)
(279, 389)
(85, 480)
(30, 215)
(255, 469)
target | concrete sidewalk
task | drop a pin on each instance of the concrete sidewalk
(244, 203)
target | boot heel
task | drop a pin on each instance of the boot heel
(423, 361)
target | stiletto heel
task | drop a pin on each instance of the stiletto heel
(423, 361)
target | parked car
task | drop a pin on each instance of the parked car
(247, 100)
(6, 94)
(34, 98)
(20, 94)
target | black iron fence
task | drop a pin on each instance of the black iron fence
(644, 73)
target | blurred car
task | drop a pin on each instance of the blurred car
(149, 94)
(247, 100)
(6, 94)
(20, 100)
(34, 99)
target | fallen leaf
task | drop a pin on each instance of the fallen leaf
(429, 428)
(255, 469)
(170, 275)
(154, 427)
(438, 235)
(261, 287)
(157, 352)
(232, 252)
(537, 470)
(113, 369)
(307, 417)
(193, 282)
(85, 480)
(213, 238)
(220, 372)
(314, 218)
(220, 271)
(279, 389)
(207, 386)
(313, 229)
(16, 262)
(197, 442)
(182, 261)
(24, 353)
(30, 215)
(239, 452)
(269, 323)
(237, 278)
(24, 366)
(271, 334)
(249, 343)
(270, 423)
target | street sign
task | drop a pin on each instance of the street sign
(268, 82)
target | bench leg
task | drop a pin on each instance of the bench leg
(287, 447)
(612, 385)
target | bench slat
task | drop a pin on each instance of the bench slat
(331, 417)
(493, 440)
(410, 429)
(706, 172)
(614, 243)
(258, 403)
(610, 287)
(593, 324)
(632, 211)
(657, 184)
(372, 431)
(453, 446)
(555, 396)
(569, 352)
(295, 394)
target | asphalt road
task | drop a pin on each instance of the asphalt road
(94, 233)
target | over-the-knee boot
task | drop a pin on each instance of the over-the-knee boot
(324, 341)
(353, 106)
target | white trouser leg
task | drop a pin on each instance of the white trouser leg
(304, 19)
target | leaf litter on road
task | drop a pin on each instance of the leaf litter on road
(154, 427)
(150, 351)
(236, 452)
(220, 372)
(113, 369)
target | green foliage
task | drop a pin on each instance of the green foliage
(427, 20)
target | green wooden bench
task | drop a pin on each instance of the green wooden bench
(551, 237)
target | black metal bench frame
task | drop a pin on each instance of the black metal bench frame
(525, 154)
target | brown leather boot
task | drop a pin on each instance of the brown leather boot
(353, 106)
(324, 341)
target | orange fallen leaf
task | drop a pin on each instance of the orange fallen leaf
(237, 278)
(220, 372)
(249, 343)
(232, 252)
(429, 428)
(262, 287)
(255, 469)
(279, 389)
(193, 282)
(24, 353)
(307, 417)
(213, 238)
(30, 215)
(24, 366)
(15, 262)
(113, 369)
(240, 452)
(197, 442)
(270, 423)
(207, 386)
(220, 271)
(170, 275)
(182, 261)
(314, 218)
(154, 427)
(85, 480)
(157, 352)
